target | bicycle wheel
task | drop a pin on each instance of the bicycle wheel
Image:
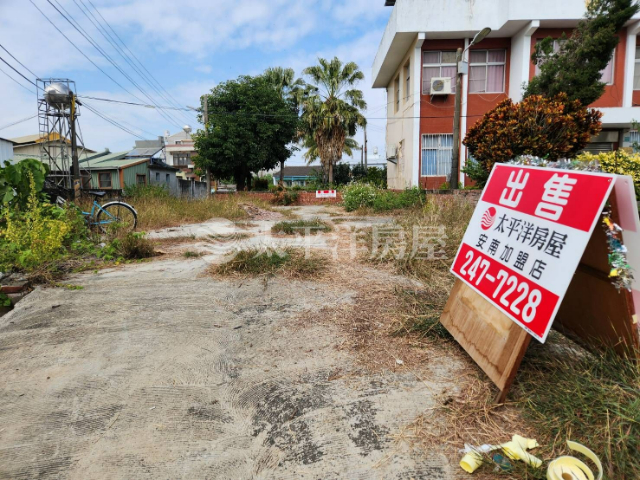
(116, 218)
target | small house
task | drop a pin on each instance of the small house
(297, 176)
(113, 171)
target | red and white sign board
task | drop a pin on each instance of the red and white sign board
(325, 194)
(526, 237)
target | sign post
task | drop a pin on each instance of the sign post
(517, 259)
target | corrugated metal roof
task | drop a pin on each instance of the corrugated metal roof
(143, 152)
(109, 161)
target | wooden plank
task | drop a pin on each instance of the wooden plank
(491, 338)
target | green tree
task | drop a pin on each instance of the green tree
(289, 88)
(250, 129)
(311, 155)
(331, 111)
(576, 68)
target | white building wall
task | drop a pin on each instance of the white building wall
(401, 124)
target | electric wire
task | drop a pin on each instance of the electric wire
(17, 122)
(26, 88)
(105, 33)
(72, 21)
(175, 102)
(19, 62)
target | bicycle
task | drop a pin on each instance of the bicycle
(112, 217)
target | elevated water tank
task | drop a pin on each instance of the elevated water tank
(58, 95)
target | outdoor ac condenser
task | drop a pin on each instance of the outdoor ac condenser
(441, 86)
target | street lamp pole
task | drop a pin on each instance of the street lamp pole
(455, 153)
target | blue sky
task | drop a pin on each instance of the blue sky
(188, 45)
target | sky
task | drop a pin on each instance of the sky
(188, 46)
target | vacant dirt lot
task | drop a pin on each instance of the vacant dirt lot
(157, 370)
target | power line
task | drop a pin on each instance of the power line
(96, 23)
(26, 88)
(19, 121)
(72, 21)
(175, 102)
(18, 72)
(20, 63)
(111, 121)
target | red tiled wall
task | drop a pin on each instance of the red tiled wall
(437, 115)
(612, 96)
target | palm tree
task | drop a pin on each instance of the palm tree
(290, 88)
(331, 109)
(311, 155)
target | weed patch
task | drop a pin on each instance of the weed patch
(291, 227)
(191, 254)
(288, 262)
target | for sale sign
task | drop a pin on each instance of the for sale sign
(325, 194)
(526, 238)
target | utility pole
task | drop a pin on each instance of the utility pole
(365, 147)
(455, 154)
(205, 117)
(75, 164)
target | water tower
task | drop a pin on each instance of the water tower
(57, 119)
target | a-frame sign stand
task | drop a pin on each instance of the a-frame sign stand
(593, 312)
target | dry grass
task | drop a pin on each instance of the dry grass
(288, 262)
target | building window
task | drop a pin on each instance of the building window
(178, 142)
(436, 154)
(397, 90)
(141, 179)
(104, 180)
(407, 81)
(606, 74)
(636, 72)
(157, 177)
(182, 159)
(487, 71)
(168, 178)
(438, 64)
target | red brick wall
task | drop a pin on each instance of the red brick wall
(304, 198)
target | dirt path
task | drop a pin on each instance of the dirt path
(158, 371)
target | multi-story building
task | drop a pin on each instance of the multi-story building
(179, 153)
(419, 45)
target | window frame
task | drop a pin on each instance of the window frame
(636, 68)
(397, 92)
(167, 178)
(100, 185)
(488, 64)
(536, 71)
(407, 80)
(144, 178)
(440, 65)
(422, 151)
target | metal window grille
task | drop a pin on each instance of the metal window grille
(436, 154)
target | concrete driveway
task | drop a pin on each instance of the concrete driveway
(158, 371)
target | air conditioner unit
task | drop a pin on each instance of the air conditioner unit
(441, 86)
(392, 153)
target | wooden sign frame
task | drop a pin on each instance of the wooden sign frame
(593, 312)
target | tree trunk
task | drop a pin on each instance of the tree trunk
(240, 181)
(282, 172)
(331, 172)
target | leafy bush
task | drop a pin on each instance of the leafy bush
(618, 162)
(135, 246)
(549, 128)
(260, 183)
(282, 196)
(476, 172)
(365, 195)
(33, 236)
(17, 181)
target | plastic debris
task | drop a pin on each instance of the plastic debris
(570, 468)
(516, 449)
